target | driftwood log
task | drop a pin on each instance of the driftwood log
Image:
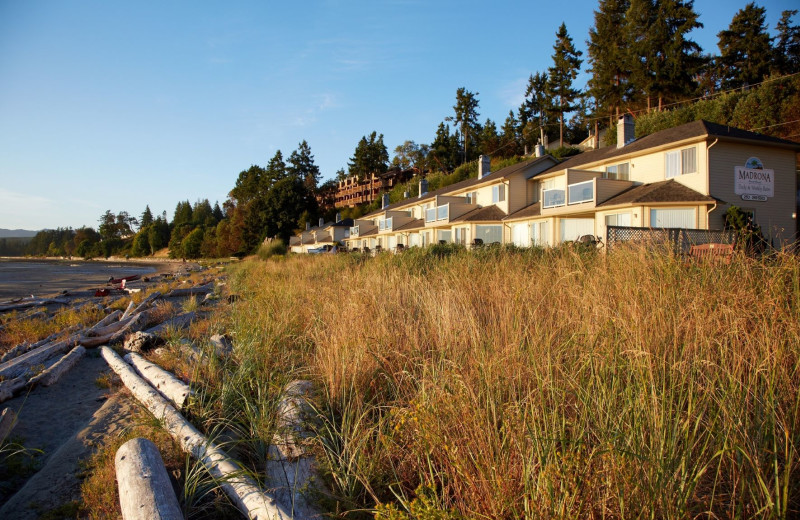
(145, 492)
(21, 364)
(33, 303)
(165, 382)
(128, 310)
(190, 291)
(61, 367)
(109, 319)
(8, 419)
(291, 469)
(242, 491)
(10, 387)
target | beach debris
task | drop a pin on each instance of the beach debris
(190, 291)
(142, 342)
(33, 302)
(145, 491)
(243, 492)
(10, 387)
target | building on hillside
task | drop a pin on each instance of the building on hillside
(683, 177)
(324, 235)
(351, 191)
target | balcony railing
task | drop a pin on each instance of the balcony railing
(430, 215)
(553, 198)
(389, 223)
(581, 192)
(442, 212)
(381, 224)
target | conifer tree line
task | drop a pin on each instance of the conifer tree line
(640, 57)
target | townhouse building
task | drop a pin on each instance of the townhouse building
(683, 177)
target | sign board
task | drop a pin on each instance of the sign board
(754, 179)
(762, 198)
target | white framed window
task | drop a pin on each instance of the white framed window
(685, 218)
(680, 162)
(489, 234)
(618, 219)
(461, 236)
(520, 235)
(618, 171)
(574, 228)
(498, 193)
(445, 235)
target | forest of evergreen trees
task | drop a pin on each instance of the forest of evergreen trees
(641, 60)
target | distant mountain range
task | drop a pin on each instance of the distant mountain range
(16, 233)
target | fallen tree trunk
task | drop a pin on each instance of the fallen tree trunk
(165, 382)
(128, 310)
(134, 324)
(243, 492)
(180, 322)
(8, 420)
(190, 291)
(20, 364)
(61, 367)
(32, 303)
(145, 492)
(10, 387)
(146, 302)
(110, 318)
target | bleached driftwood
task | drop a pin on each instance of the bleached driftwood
(61, 367)
(8, 419)
(165, 382)
(33, 303)
(291, 469)
(128, 310)
(182, 321)
(243, 492)
(145, 492)
(109, 319)
(134, 323)
(190, 291)
(146, 302)
(10, 387)
(20, 364)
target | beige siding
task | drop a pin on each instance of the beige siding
(607, 188)
(775, 215)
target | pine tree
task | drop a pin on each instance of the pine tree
(532, 112)
(787, 47)
(301, 166)
(509, 137)
(488, 139)
(745, 48)
(147, 217)
(608, 82)
(444, 149)
(370, 156)
(466, 110)
(566, 65)
(276, 169)
(682, 58)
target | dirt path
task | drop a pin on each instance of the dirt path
(68, 422)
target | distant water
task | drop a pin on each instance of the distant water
(43, 278)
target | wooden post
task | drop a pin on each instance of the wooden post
(145, 492)
(243, 492)
(170, 386)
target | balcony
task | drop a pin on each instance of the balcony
(438, 213)
(430, 215)
(354, 231)
(581, 192)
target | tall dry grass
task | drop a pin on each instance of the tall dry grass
(531, 384)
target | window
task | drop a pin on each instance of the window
(445, 235)
(471, 197)
(498, 193)
(553, 198)
(540, 233)
(673, 218)
(680, 162)
(618, 171)
(618, 219)
(520, 235)
(489, 234)
(461, 236)
(574, 228)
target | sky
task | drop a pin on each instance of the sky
(110, 105)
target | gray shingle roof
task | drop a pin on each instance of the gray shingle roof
(534, 210)
(492, 213)
(663, 191)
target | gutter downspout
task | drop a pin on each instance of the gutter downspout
(708, 182)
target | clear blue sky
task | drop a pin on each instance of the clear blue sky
(116, 105)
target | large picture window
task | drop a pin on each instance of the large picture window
(574, 228)
(683, 218)
(489, 234)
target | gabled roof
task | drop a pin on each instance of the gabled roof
(657, 192)
(481, 215)
(695, 129)
(534, 210)
(472, 181)
(348, 222)
(417, 223)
